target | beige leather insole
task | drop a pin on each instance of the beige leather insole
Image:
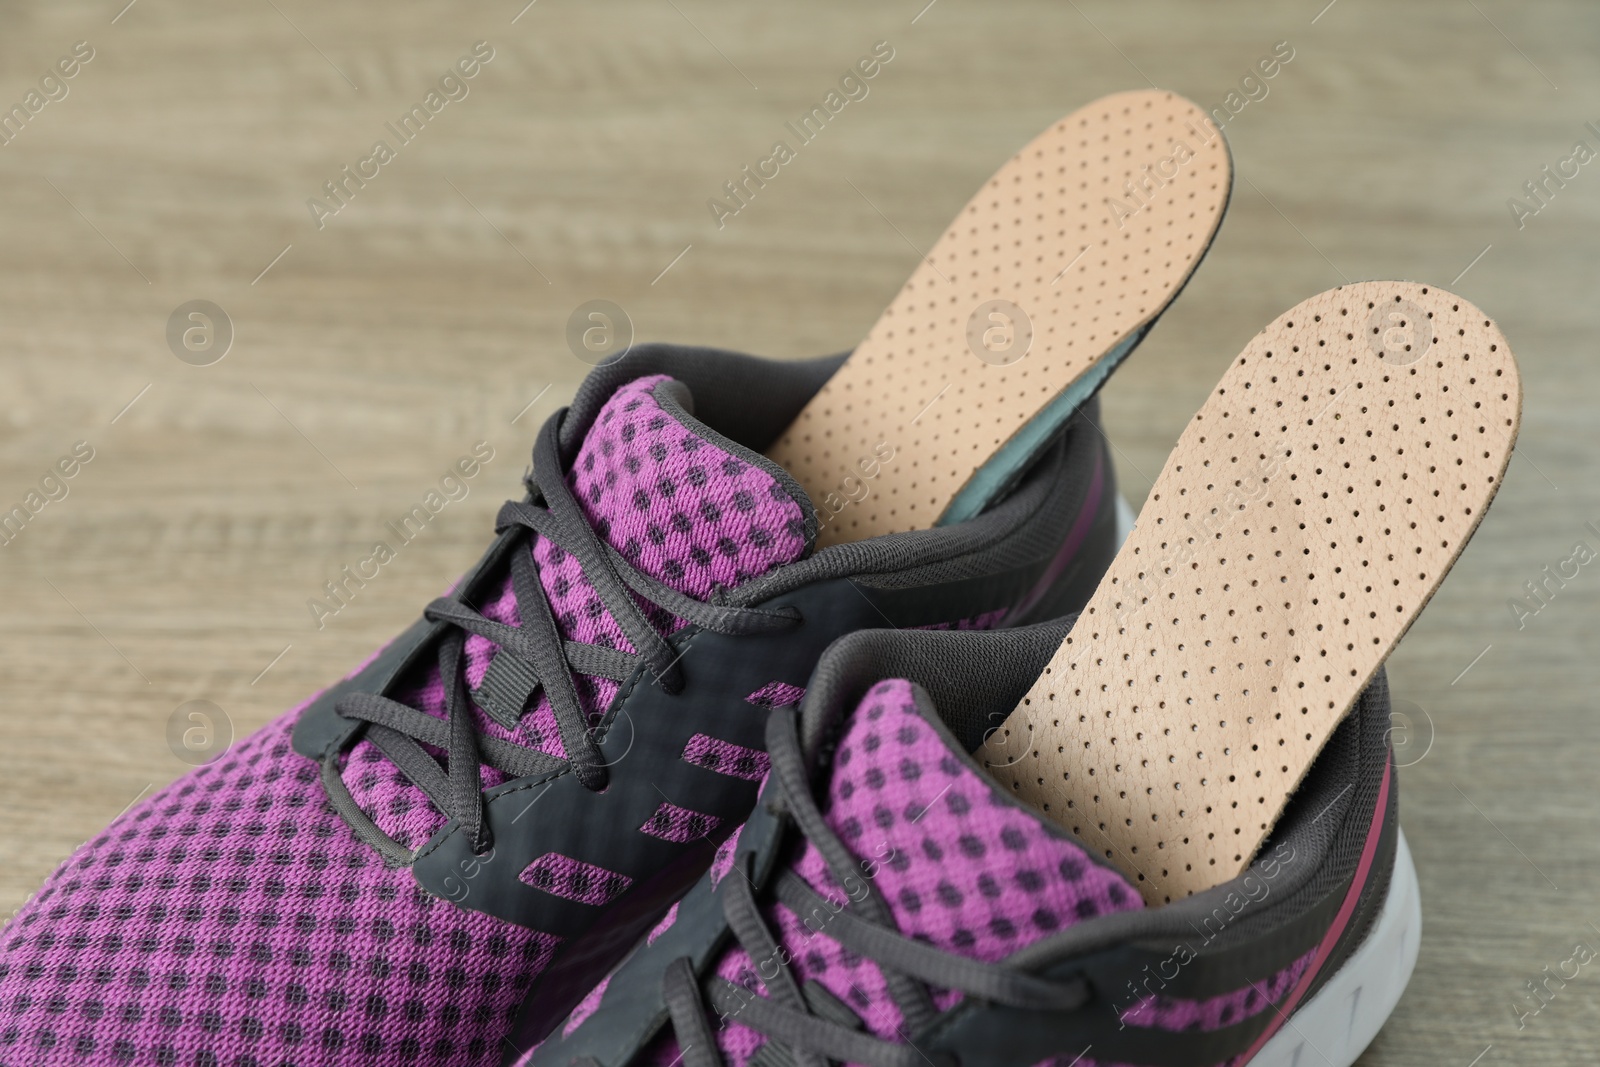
(1307, 514)
(1084, 236)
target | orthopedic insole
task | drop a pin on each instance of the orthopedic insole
(1307, 514)
(1045, 280)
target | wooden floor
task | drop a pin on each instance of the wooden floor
(430, 313)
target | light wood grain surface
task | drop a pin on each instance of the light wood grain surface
(431, 311)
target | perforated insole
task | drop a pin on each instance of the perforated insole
(1058, 264)
(1307, 514)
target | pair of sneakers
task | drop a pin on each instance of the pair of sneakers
(837, 710)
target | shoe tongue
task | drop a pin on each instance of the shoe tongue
(680, 502)
(959, 864)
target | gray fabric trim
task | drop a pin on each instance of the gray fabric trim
(749, 399)
(974, 678)
(1026, 526)
(507, 684)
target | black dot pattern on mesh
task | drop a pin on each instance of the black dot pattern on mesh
(233, 919)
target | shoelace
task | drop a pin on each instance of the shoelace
(400, 731)
(813, 1025)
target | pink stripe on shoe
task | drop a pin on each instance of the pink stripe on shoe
(1069, 547)
(1340, 921)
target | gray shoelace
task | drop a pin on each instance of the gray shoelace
(401, 731)
(811, 1025)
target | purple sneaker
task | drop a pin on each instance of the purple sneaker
(431, 861)
(889, 903)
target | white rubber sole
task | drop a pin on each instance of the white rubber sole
(1334, 1027)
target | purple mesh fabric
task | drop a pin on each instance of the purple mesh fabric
(776, 695)
(233, 920)
(679, 825)
(1175, 1013)
(722, 862)
(680, 508)
(725, 757)
(959, 865)
(677, 506)
(664, 925)
(571, 879)
(587, 1005)
(388, 796)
